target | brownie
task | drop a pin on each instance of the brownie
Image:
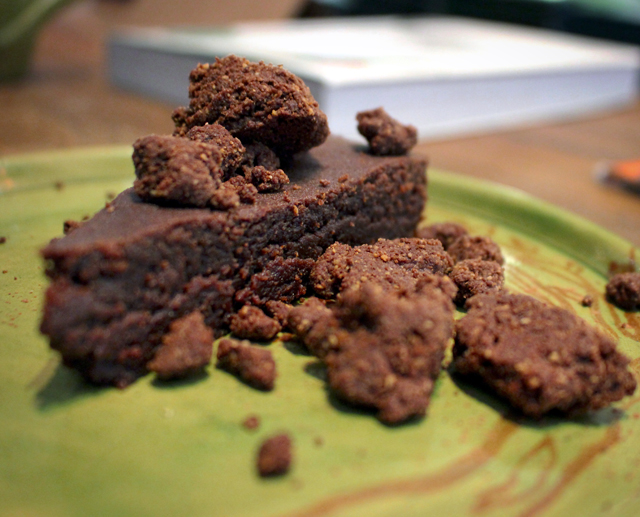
(120, 279)
(274, 456)
(446, 232)
(252, 323)
(254, 365)
(186, 349)
(475, 247)
(397, 264)
(256, 102)
(539, 358)
(476, 276)
(386, 136)
(382, 349)
(623, 290)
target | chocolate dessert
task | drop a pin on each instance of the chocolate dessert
(121, 278)
(540, 358)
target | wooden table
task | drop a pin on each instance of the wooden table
(68, 102)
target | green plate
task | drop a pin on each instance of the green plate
(71, 449)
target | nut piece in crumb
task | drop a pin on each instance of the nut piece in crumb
(231, 149)
(252, 364)
(256, 102)
(395, 264)
(539, 358)
(383, 350)
(623, 290)
(475, 247)
(251, 322)
(446, 232)
(186, 349)
(386, 136)
(275, 456)
(476, 276)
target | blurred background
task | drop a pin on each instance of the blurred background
(65, 99)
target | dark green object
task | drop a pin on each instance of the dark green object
(20, 23)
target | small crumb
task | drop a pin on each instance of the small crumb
(587, 301)
(274, 456)
(324, 182)
(343, 178)
(59, 185)
(252, 364)
(296, 187)
(251, 422)
(186, 348)
(3, 240)
(318, 440)
(110, 195)
(4, 271)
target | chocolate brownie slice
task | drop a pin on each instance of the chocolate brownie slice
(539, 358)
(121, 278)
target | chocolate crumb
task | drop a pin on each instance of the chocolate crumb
(446, 232)
(251, 322)
(186, 349)
(274, 456)
(3, 240)
(587, 300)
(324, 182)
(623, 290)
(58, 185)
(253, 365)
(386, 136)
(251, 423)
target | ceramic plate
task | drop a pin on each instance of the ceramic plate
(71, 449)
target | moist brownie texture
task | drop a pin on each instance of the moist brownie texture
(395, 264)
(382, 349)
(623, 290)
(121, 278)
(539, 358)
(256, 102)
